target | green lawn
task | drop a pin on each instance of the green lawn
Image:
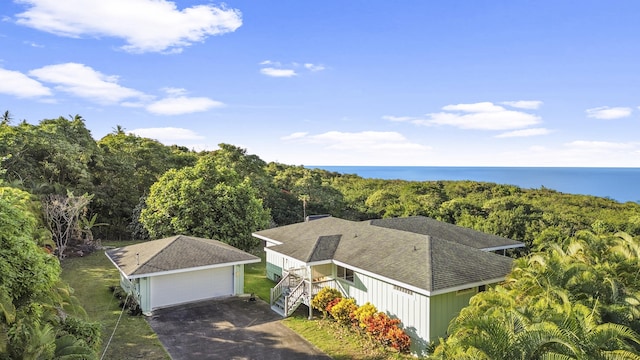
(90, 277)
(337, 341)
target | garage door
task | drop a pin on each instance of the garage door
(167, 290)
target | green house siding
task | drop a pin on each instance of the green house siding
(444, 308)
(238, 279)
(274, 272)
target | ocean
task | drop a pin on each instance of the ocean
(620, 184)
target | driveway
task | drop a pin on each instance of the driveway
(228, 328)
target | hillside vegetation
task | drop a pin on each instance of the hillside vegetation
(583, 266)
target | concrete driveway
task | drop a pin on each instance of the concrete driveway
(229, 328)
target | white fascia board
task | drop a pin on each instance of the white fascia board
(321, 262)
(268, 240)
(467, 286)
(505, 247)
(116, 265)
(385, 279)
(206, 267)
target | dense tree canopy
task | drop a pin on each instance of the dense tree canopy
(38, 316)
(576, 296)
(131, 165)
(206, 200)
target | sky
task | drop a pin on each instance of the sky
(389, 83)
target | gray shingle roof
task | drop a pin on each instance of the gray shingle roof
(427, 262)
(175, 253)
(461, 235)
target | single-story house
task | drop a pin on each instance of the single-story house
(417, 269)
(180, 269)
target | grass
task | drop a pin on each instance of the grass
(336, 341)
(90, 277)
(255, 279)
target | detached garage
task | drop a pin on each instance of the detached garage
(180, 269)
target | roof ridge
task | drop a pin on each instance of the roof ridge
(430, 262)
(138, 266)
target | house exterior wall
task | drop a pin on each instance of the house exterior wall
(411, 308)
(445, 307)
(177, 288)
(238, 279)
(276, 263)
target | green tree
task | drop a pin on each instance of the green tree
(34, 303)
(206, 200)
(131, 165)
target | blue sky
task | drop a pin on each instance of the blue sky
(429, 83)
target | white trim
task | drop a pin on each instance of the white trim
(321, 262)
(268, 240)
(117, 267)
(505, 247)
(417, 289)
(467, 286)
(383, 278)
(176, 271)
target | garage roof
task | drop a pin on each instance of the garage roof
(175, 253)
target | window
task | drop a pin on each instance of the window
(345, 274)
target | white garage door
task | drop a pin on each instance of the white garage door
(167, 290)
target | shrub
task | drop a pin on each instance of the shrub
(386, 331)
(323, 298)
(343, 309)
(363, 313)
(379, 324)
(398, 339)
(87, 332)
(331, 304)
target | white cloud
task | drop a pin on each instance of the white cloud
(524, 133)
(83, 81)
(277, 69)
(273, 72)
(481, 107)
(600, 145)
(364, 141)
(478, 116)
(482, 116)
(609, 113)
(171, 91)
(18, 84)
(399, 118)
(524, 104)
(167, 135)
(314, 67)
(145, 25)
(182, 105)
(296, 135)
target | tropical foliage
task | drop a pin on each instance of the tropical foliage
(575, 296)
(575, 300)
(39, 317)
(365, 319)
(206, 200)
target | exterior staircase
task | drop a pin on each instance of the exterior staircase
(292, 290)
